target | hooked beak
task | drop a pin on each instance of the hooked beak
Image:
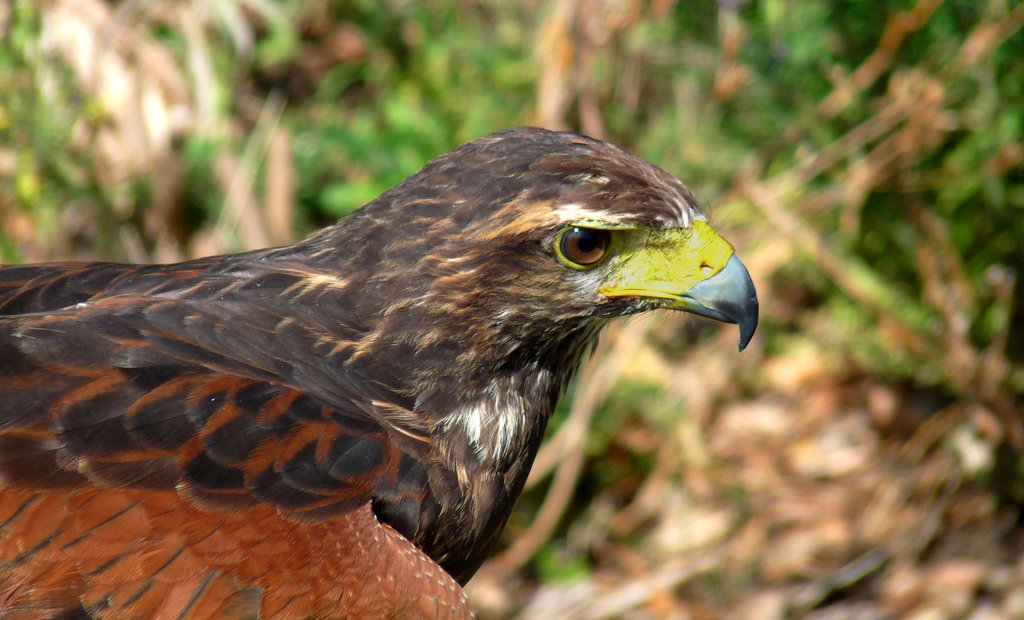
(727, 296)
(694, 270)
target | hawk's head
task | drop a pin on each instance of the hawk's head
(520, 244)
(485, 277)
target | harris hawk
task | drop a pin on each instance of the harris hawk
(337, 428)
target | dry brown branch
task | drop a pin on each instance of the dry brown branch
(590, 604)
(555, 52)
(897, 30)
(280, 187)
(243, 212)
(986, 37)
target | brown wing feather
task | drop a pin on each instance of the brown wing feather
(145, 474)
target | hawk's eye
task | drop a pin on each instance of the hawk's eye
(583, 247)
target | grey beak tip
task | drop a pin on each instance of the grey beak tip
(748, 323)
(728, 296)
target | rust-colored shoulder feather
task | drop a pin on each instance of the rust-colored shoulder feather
(165, 450)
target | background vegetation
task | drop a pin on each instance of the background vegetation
(861, 460)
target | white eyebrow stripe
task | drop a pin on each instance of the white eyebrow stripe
(577, 213)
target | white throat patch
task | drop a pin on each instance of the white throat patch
(493, 424)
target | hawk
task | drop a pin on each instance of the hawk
(337, 428)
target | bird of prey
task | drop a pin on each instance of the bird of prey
(337, 428)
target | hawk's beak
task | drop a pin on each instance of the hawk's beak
(694, 270)
(727, 296)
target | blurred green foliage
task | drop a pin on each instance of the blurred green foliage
(430, 76)
(39, 109)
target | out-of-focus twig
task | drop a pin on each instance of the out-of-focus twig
(242, 211)
(630, 594)
(896, 32)
(280, 187)
(555, 53)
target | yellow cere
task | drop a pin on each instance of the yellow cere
(668, 263)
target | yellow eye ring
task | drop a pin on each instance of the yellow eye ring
(582, 248)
